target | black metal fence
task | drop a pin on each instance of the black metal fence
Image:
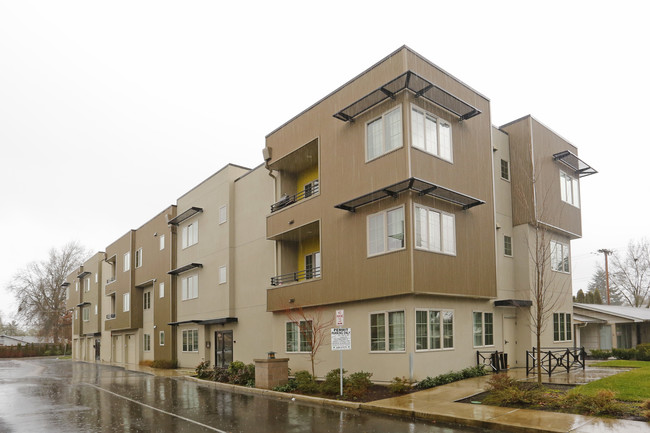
(293, 277)
(552, 358)
(495, 360)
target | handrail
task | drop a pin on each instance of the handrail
(553, 358)
(292, 277)
(290, 199)
(496, 360)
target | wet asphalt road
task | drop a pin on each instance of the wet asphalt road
(50, 395)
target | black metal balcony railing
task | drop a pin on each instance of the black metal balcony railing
(295, 277)
(110, 316)
(290, 199)
(495, 360)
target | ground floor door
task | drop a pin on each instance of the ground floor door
(606, 337)
(223, 348)
(510, 338)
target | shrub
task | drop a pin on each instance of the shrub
(476, 371)
(305, 382)
(166, 364)
(146, 362)
(452, 376)
(603, 403)
(221, 374)
(357, 384)
(288, 387)
(643, 352)
(332, 383)
(626, 354)
(400, 385)
(600, 354)
(241, 374)
(203, 370)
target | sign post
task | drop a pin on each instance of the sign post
(341, 340)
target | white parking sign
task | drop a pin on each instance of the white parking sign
(341, 339)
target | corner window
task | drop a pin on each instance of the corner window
(507, 245)
(126, 305)
(559, 257)
(505, 170)
(138, 258)
(431, 134)
(562, 327)
(483, 329)
(190, 234)
(190, 287)
(191, 340)
(387, 332)
(434, 329)
(222, 275)
(569, 189)
(386, 231)
(299, 336)
(127, 261)
(384, 134)
(147, 342)
(435, 230)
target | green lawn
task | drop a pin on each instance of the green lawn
(633, 385)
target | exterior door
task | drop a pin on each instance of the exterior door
(223, 348)
(510, 338)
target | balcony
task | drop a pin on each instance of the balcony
(310, 189)
(295, 277)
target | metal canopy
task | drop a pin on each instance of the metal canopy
(513, 303)
(220, 321)
(412, 184)
(185, 268)
(185, 215)
(83, 274)
(579, 167)
(83, 304)
(420, 87)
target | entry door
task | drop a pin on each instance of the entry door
(223, 348)
(510, 337)
(606, 337)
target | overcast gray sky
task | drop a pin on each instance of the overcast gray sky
(98, 100)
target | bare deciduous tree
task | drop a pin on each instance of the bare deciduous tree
(314, 329)
(630, 274)
(39, 291)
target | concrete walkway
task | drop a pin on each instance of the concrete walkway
(440, 404)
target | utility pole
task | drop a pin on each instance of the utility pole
(606, 252)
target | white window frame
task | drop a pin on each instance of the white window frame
(138, 258)
(127, 261)
(146, 300)
(76, 286)
(76, 313)
(562, 327)
(301, 344)
(223, 214)
(384, 130)
(223, 275)
(387, 339)
(507, 167)
(190, 234)
(190, 287)
(161, 290)
(427, 243)
(437, 152)
(560, 257)
(85, 314)
(312, 270)
(386, 246)
(482, 332)
(190, 341)
(87, 284)
(161, 240)
(126, 302)
(505, 250)
(444, 337)
(146, 343)
(96, 277)
(569, 189)
(96, 309)
(161, 338)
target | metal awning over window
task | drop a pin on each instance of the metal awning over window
(83, 274)
(83, 304)
(579, 167)
(220, 321)
(412, 184)
(513, 303)
(420, 87)
(185, 268)
(185, 215)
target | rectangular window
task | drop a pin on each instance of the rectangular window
(96, 277)
(507, 245)
(126, 305)
(559, 257)
(161, 338)
(434, 329)
(86, 284)
(483, 329)
(138, 257)
(431, 134)
(223, 214)
(146, 301)
(162, 242)
(85, 314)
(95, 310)
(76, 286)
(389, 324)
(127, 261)
(76, 314)
(386, 231)
(190, 234)
(299, 336)
(161, 290)
(311, 188)
(147, 342)
(190, 287)
(562, 327)
(435, 230)
(505, 170)
(312, 265)
(191, 340)
(222, 275)
(384, 134)
(569, 189)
